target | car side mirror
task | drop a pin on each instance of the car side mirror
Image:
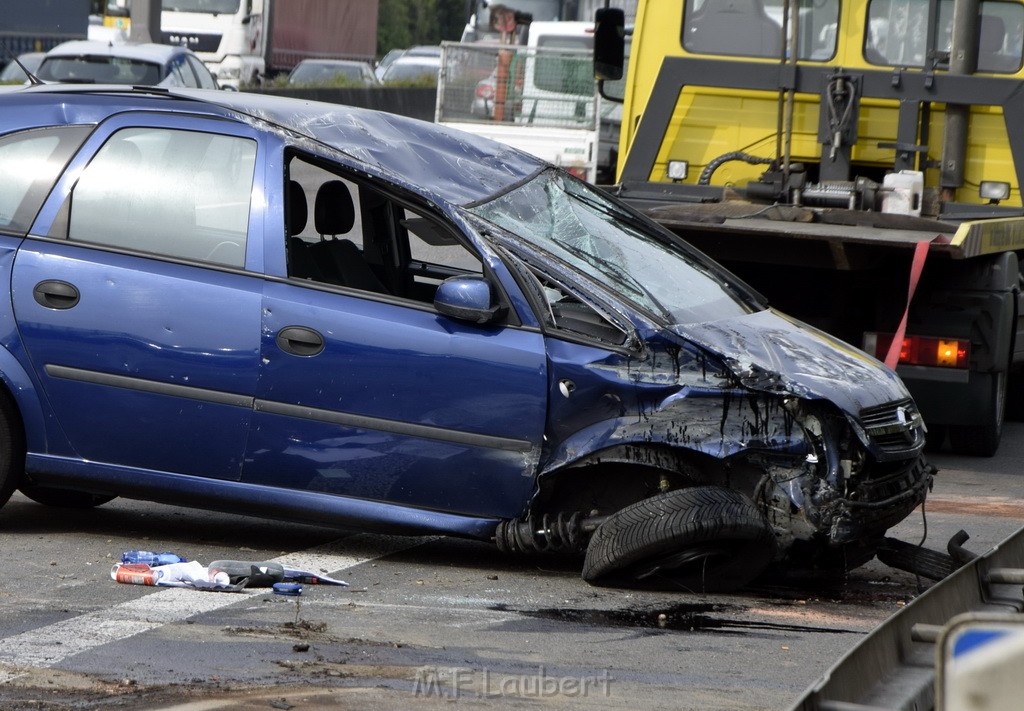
(609, 43)
(466, 298)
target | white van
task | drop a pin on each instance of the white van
(540, 98)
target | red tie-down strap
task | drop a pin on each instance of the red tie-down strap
(916, 267)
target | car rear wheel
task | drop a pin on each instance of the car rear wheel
(64, 498)
(12, 451)
(701, 539)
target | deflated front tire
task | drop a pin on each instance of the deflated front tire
(700, 539)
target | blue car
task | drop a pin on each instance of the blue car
(323, 314)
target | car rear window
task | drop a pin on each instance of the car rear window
(89, 69)
(30, 163)
(180, 194)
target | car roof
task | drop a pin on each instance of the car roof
(142, 51)
(446, 165)
(336, 62)
(424, 50)
(426, 60)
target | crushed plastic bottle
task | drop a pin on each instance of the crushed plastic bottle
(150, 558)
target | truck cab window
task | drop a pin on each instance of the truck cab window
(753, 28)
(897, 34)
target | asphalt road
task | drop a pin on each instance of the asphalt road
(428, 622)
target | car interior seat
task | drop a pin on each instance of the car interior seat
(334, 215)
(300, 263)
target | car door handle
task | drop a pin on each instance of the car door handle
(300, 341)
(55, 294)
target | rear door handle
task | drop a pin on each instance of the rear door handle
(300, 341)
(54, 294)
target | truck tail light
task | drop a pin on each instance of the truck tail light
(922, 350)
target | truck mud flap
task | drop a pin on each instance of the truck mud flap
(894, 667)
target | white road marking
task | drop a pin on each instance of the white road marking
(50, 645)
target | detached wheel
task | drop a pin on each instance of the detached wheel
(64, 498)
(704, 539)
(982, 440)
(911, 558)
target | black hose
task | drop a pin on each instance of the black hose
(713, 165)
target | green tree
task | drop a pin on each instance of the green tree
(404, 23)
(393, 30)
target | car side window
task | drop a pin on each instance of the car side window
(173, 193)
(351, 234)
(566, 314)
(206, 80)
(183, 73)
(31, 162)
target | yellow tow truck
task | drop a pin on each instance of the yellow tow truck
(859, 162)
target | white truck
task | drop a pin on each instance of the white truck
(540, 98)
(245, 40)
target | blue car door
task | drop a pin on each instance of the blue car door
(136, 300)
(365, 389)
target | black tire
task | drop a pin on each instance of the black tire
(982, 440)
(12, 449)
(912, 558)
(1015, 396)
(936, 438)
(64, 498)
(701, 539)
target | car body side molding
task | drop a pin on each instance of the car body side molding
(253, 499)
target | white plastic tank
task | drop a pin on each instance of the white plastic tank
(901, 192)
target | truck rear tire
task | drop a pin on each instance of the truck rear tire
(701, 539)
(982, 440)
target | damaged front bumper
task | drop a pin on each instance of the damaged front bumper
(864, 475)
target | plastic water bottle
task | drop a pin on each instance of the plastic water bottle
(150, 558)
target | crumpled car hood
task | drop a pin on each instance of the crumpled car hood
(771, 352)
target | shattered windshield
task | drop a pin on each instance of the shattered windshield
(214, 7)
(580, 226)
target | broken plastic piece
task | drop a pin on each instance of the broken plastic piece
(261, 574)
(309, 578)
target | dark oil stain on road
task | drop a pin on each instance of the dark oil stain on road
(682, 617)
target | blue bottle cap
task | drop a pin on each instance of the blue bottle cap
(290, 589)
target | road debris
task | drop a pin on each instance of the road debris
(171, 570)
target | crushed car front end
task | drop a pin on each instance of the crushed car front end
(667, 374)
